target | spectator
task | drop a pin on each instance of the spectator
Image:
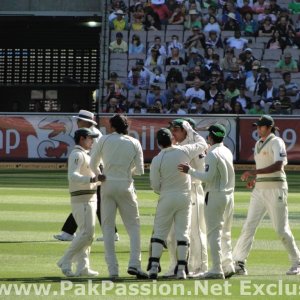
(196, 40)
(155, 94)
(151, 21)
(217, 108)
(194, 59)
(196, 107)
(251, 80)
(113, 106)
(175, 108)
(118, 46)
(214, 40)
(156, 108)
(277, 109)
(137, 18)
(235, 76)
(287, 64)
(136, 46)
(274, 7)
(177, 17)
(242, 98)
(231, 23)
(137, 79)
(120, 22)
(158, 46)
(245, 6)
(266, 28)
(267, 14)
(118, 4)
(192, 5)
(285, 101)
(231, 91)
(291, 40)
(228, 61)
(249, 25)
(262, 78)
(259, 6)
(283, 25)
(175, 44)
(270, 92)
(291, 88)
(257, 109)
(249, 59)
(157, 76)
(195, 91)
(174, 74)
(213, 65)
(175, 58)
(137, 105)
(294, 6)
(154, 59)
(230, 11)
(276, 41)
(194, 73)
(173, 91)
(211, 11)
(238, 109)
(212, 25)
(211, 93)
(192, 19)
(236, 41)
(161, 9)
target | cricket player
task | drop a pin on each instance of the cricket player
(85, 119)
(174, 204)
(219, 201)
(198, 260)
(122, 157)
(83, 189)
(268, 196)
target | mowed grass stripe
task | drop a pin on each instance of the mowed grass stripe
(29, 253)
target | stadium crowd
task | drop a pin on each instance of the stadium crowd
(201, 57)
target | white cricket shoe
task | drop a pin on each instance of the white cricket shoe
(66, 269)
(101, 239)
(153, 272)
(294, 269)
(87, 272)
(64, 236)
(240, 268)
(210, 275)
(181, 274)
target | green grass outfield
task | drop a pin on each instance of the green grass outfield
(34, 205)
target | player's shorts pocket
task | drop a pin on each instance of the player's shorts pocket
(282, 197)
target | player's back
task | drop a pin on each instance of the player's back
(119, 154)
(171, 179)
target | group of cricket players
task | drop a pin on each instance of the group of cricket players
(194, 179)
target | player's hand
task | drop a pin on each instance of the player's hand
(189, 130)
(101, 177)
(184, 168)
(250, 184)
(245, 176)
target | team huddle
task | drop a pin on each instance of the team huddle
(195, 181)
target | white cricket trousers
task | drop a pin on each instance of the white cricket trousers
(120, 195)
(172, 208)
(85, 216)
(273, 202)
(198, 260)
(218, 214)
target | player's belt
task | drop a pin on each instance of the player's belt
(270, 179)
(83, 192)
